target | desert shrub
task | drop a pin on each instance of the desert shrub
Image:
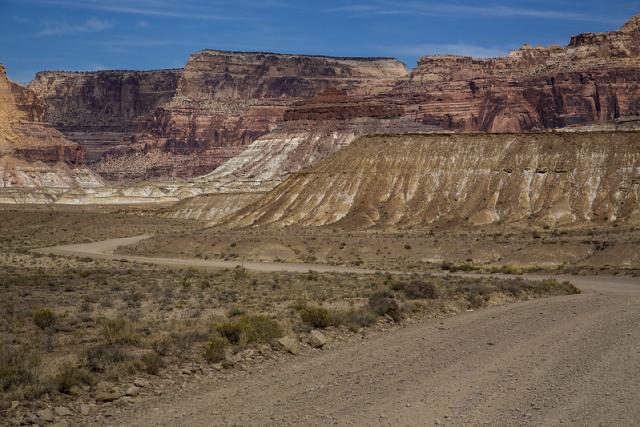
(118, 331)
(102, 357)
(16, 369)
(44, 319)
(214, 352)
(236, 311)
(163, 345)
(476, 292)
(359, 318)
(250, 329)
(317, 317)
(505, 269)
(152, 362)
(418, 289)
(554, 287)
(384, 303)
(71, 376)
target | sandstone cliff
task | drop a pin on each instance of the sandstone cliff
(477, 179)
(226, 100)
(592, 80)
(34, 157)
(98, 109)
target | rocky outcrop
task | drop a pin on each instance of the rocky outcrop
(227, 100)
(268, 161)
(99, 109)
(35, 159)
(102, 100)
(592, 80)
(464, 179)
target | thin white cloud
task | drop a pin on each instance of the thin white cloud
(419, 8)
(142, 24)
(57, 28)
(186, 9)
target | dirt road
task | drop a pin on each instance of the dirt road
(105, 250)
(571, 360)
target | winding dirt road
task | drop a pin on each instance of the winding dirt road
(572, 360)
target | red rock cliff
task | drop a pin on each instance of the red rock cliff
(226, 100)
(594, 79)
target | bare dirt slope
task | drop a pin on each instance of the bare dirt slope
(546, 179)
(569, 360)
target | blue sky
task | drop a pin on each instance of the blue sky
(149, 34)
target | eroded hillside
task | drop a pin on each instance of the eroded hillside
(478, 179)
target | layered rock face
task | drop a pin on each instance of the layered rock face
(99, 109)
(477, 179)
(594, 79)
(269, 160)
(35, 159)
(227, 100)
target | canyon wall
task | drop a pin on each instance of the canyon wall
(35, 158)
(462, 179)
(98, 109)
(595, 79)
(227, 100)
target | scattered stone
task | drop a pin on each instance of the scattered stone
(218, 366)
(45, 415)
(290, 344)
(62, 411)
(317, 339)
(108, 396)
(132, 391)
(75, 391)
(142, 383)
(85, 410)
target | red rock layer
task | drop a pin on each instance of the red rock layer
(595, 79)
(22, 134)
(226, 100)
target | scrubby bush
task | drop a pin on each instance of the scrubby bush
(384, 303)
(152, 362)
(214, 352)
(419, 289)
(46, 320)
(72, 376)
(359, 318)
(103, 357)
(16, 369)
(318, 317)
(118, 331)
(250, 329)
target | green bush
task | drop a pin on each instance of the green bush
(214, 352)
(250, 329)
(317, 317)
